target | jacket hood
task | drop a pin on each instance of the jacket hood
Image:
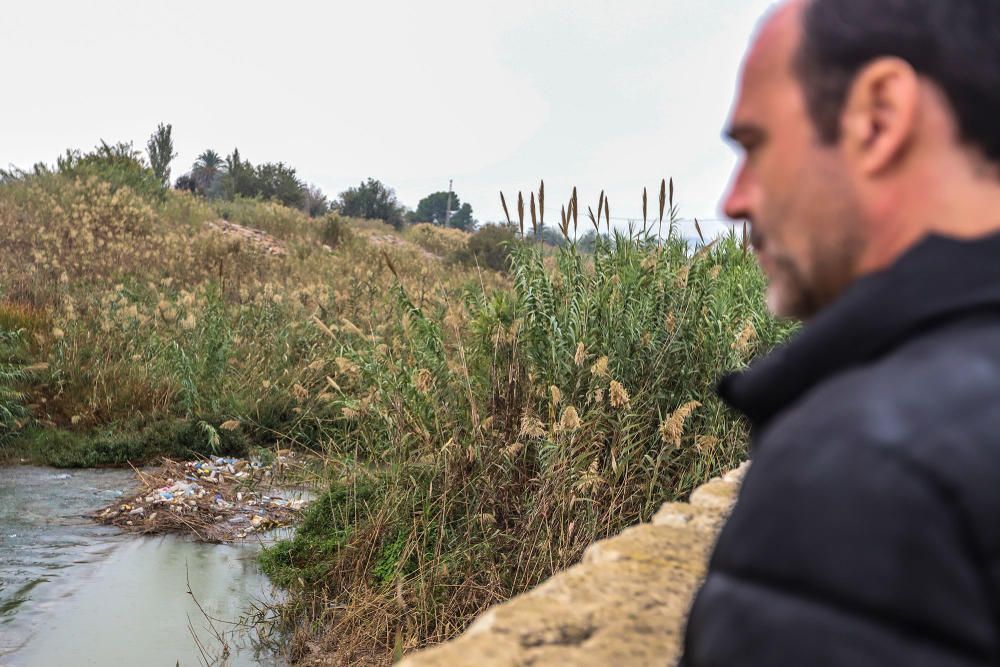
(938, 280)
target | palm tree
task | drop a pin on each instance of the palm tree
(207, 168)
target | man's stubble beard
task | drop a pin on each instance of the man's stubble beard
(799, 294)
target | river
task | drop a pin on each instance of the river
(73, 592)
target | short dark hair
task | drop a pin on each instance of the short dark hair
(954, 43)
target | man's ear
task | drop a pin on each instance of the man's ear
(880, 116)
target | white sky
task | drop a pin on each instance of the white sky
(493, 94)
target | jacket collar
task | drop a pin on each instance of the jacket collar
(938, 280)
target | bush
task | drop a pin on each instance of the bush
(334, 230)
(119, 165)
(490, 246)
(372, 200)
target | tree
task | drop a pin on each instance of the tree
(371, 199)
(463, 219)
(278, 182)
(239, 178)
(160, 148)
(316, 204)
(186, 182)
(434, 209)
(206, 171)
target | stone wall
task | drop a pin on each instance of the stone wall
(624, 604)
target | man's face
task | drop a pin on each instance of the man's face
(794, 191)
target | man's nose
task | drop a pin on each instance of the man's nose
(737, 202)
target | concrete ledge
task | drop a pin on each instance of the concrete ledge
(624, 604)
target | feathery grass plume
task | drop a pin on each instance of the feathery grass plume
(230, 425)
(705, 443)
(541, 203)
(704, 251)
(618, 395)
(534, 218)
(563, 222)
(556, 395)
(663, 198)
(347, 367)
(520, 211)
(672, 429)
(600, 204)
(322, 326)
(745, 338)
(511, 451)
(644, 215)
(574, 211)
(600, 368)
(423, 381)
(349, 327)
(388, 263)
(607, 213)
(532, 427)
(590, 479)
(503, 202)
(570, 420)
(581, 354)
(681, 279)
(593, 220)
(698, 229)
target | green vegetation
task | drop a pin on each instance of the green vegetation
(436, 207)
(372, 200)
(505, 432)
(160, 149)
(484, 407)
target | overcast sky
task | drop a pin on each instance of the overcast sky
(492, 94)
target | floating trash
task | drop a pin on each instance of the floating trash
(218, 499)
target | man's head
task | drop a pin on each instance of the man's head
(865, 124)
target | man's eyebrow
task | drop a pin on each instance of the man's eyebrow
(745, 134)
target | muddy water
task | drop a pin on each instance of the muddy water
(76, 593)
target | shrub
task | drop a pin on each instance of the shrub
(490, 246)
(334, 230)
(374, 201)
(119, 165)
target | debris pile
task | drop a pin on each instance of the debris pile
(215, 500)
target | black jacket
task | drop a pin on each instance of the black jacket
(867, 531)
